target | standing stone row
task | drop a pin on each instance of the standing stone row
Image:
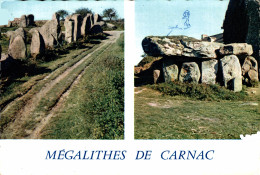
(76, 26)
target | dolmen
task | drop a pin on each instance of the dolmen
(189, 60)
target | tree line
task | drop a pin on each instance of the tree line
(109, 13)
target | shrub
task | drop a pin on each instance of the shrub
(199, 91)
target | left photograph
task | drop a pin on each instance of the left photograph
(62, 70)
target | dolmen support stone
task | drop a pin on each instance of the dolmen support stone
(231, 71)
(170, 70)
(209, 70)
(190, 73)
(249, 70)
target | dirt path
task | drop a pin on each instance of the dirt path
(25, 113)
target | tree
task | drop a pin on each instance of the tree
(63, 14)
(110, 13)
(83, 11)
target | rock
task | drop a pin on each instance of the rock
(86, 25)
(236, 49)
(190, 72)
(50, 32)
(180, 46)
(96, 29)
(12, 34)
(156, 75)
(69, 30)
(170, 70)
(30, 20)
(250, 70)
(77, 26)
(101, 23)
(111, 26)
(231, 71)
(97, 18)
(23, 21)
(17, 49)
(37, 44)
(209, 71)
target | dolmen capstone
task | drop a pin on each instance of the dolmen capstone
(190, 60)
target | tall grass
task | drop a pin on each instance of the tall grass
(95, 107)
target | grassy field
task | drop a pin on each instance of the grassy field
(95, 107)
(162, 115)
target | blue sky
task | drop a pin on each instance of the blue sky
(155, 18)
(44, 9)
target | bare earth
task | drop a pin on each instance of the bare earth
(26, 111)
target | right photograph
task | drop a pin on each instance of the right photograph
(196, 73)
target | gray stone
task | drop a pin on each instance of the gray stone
(97, 18)
(23, 21)
(69, 30)
(170, 70)
(250, 69)
(156, 75)
(77, 26)
(111, 26)
(86, 25)
(236, 49)
(189, 72)
(12, 34)
(17, 49)
(30, 20)
(37, 44)
(180, 46)
(209, 71)
(231, 71)
(50, 32)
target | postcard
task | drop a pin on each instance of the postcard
(130, 87)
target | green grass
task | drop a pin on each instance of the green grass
(95, 107)
(15, 90)
(159, 116)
